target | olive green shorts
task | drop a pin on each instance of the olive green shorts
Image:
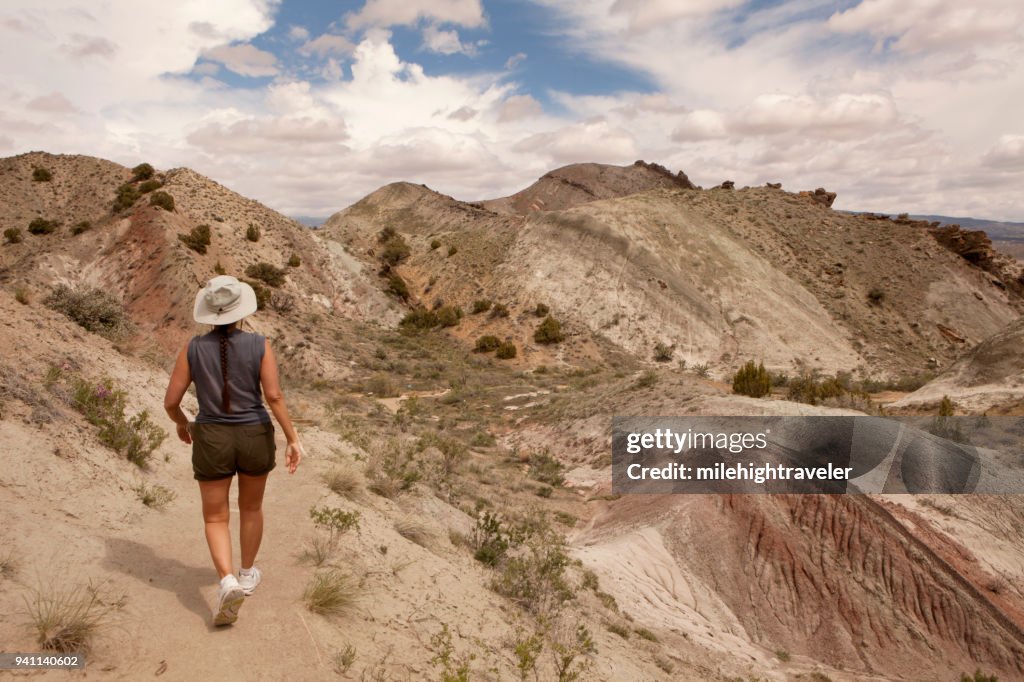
(221, 450)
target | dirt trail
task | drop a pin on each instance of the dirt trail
(162, 565)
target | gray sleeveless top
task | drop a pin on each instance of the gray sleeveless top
(245, 353)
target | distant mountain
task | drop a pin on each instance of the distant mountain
(996, 230)
(309, 220)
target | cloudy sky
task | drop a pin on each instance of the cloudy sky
(898, 105)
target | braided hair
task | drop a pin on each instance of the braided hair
(225, 399)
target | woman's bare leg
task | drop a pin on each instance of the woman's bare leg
(216, 514)
(250, 510)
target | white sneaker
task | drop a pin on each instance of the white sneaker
(249, 582)
(229, 600)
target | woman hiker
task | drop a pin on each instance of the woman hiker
(232, 432)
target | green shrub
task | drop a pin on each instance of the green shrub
(252, 233)
(549, 331)
(499, 310)
(837, 390)
(946, 407)
(93, 309)
(263, 294)
(541, 310)
(448, 316)
(381, 386)
(876, 296)
(162, 200)
(40, 174)
(487, 343)
(481, 306)
(663, 352)
(546, 469)
(102, 405)
(452, 250)
(435, 244)
(419, 319)
(618, 629)
(752, 380)
(394, 250)
(647, 379)
(506, 351)
(41, 225)
(13, 235)
(294, 261)
(978, 677)
(142, 172)
(127, 195)
(80, 227)
(702, 370)
(150, 186)
(198, 239)
(21, 295)
(451, 669)
(335, 521)
(393, 470)
(490, 540)
(535, 579)
(270, 275)
(644, 633)
(398, 287)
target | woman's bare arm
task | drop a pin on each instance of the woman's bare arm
(271, 383)
(181, 377)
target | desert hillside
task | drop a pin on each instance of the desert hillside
(453, 518)
(720, 276)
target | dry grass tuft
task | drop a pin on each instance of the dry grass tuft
(344, 482)
(415, 530)
(321, 549)
(8, 564)
(67, 620)
(155, 497)
(332, 593)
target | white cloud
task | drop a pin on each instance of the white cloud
(843, 115)
(332, 70)
(645, 15)
(468, 13)
(54, 102)
(700, 125)
(79, 45)
(596, 141)
(298, 33)
(244, 59)
(518, 107)
(273, 136)
(941, 25)
(206, 69)
(1007, 154)
(327, 44)
(445, 42)
(464, 113)
(515, 60)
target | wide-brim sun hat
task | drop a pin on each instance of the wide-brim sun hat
(224, 300)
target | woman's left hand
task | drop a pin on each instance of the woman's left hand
(185, 433)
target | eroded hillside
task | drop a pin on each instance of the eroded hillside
(486, 532)
(720, 275)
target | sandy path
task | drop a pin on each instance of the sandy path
(172, 589)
